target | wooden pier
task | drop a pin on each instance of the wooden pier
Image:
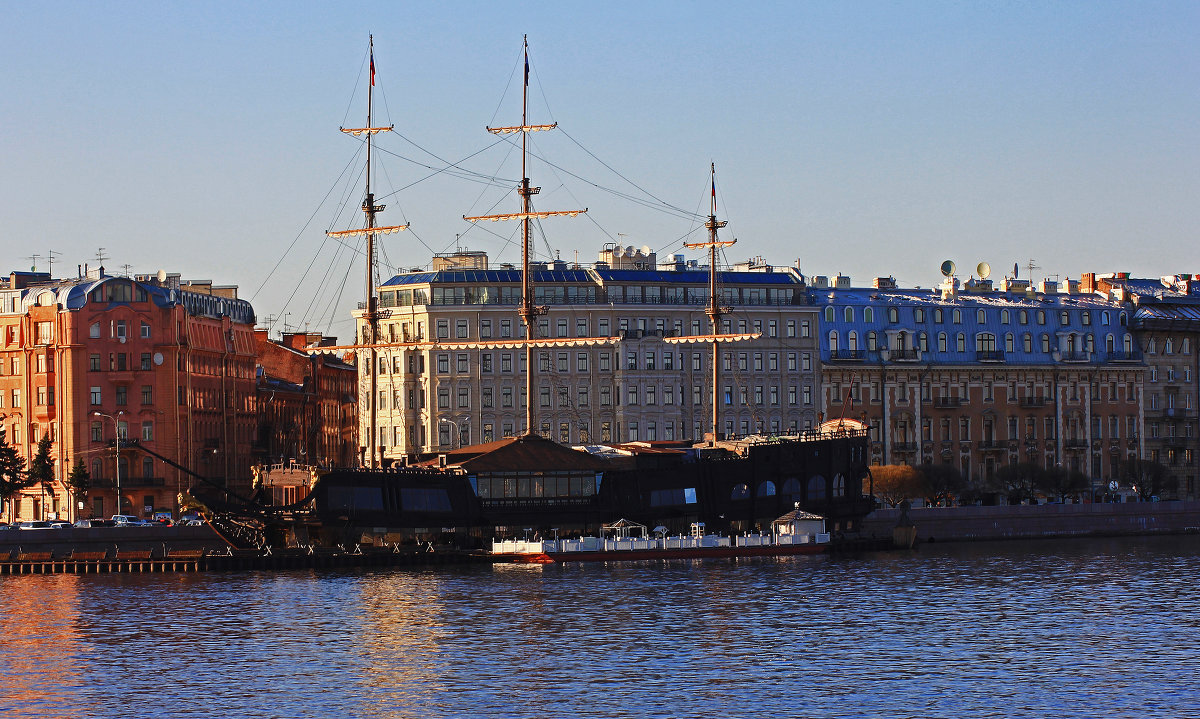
(116, 561)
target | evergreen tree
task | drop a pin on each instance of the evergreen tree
(79, 480)
(41, 468)
(13, 477)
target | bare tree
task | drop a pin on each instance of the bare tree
(895, 483)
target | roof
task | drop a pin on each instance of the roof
(527, 453)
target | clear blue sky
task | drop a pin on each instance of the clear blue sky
(866, 138)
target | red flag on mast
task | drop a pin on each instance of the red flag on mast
(372, 69)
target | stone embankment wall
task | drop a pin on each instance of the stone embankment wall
(949, 524)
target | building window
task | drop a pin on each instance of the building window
(145, 331)
(94, 330)
(148, 432)
(147, 394)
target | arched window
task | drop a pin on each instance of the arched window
(1087, 317)
(1104, 317)
(937, 314)
(839, 486)
(1023, 317)
(816, 488)
(919, 314)
(1089, 343)
(1027, 342)
(893, 315)
(1109, 344)
(1128, 345)
(957, 317)
(766, 489)
(833, 340)
(791, 488)
(985, 342)
(1041, 317)
(741, 491)
(848, 314)
(1168, 345)
(851, 340)
(980, 316)
(901, 340)
(941, 341)
(829, 316)
(1071, 342)
(1008, 342)
(868, 314)
(1004, 317)
(1064, 318)
(1124, 319)
(923, 341)
(1045, 343)
(960, 342)
(872, 341)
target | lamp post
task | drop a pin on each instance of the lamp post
(457, 431)
(116, 452)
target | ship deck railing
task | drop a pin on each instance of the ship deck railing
(631, 544)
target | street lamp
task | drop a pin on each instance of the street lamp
(116, 451)
(457, 431)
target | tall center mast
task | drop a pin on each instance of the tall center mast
(527, 310)
(714, 309)
(370, 315)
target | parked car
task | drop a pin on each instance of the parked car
(191, 520)
(60, 525)
(128, 520)
(35, 525)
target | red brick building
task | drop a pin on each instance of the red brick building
(307, 402)
(168, 367)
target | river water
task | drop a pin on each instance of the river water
(1077, 628)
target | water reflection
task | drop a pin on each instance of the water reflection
(1080, 628)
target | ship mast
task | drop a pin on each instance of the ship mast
(370, 315)
(714, 309)
(528, 310)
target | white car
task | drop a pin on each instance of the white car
(128, 520)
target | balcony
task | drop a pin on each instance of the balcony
(847, 355)
(1076, 357)
(989, 355)
(908, 354)
(1123, 356)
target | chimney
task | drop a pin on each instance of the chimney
(1087, 283)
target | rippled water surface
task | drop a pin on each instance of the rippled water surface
(1032, 629)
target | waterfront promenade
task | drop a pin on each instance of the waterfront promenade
(971, 523)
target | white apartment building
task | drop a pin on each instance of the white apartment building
(612, 373)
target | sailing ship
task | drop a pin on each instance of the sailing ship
(455, 492)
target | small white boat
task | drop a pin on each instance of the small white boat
(796, 532)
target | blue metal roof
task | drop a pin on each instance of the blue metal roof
(697, 277)
(1008, 317)
(485, 277)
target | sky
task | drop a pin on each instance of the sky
(863, 138)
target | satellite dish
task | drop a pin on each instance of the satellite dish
(158, 358)
(948, 268)
(983, 270)
(162, 276)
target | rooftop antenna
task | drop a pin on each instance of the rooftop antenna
(100, 256)
(50, 260)
(33, 258)
(126, 267)
(1030, 267)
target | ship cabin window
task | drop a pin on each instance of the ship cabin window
(741, 491)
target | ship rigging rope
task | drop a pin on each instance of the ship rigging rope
(303, 228)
